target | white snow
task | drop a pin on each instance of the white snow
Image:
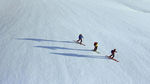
(37, 47)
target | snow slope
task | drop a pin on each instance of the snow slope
(37, 47)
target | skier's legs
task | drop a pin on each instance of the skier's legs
(80, 41)
(95, 48)
(113, 55)
(110, 56)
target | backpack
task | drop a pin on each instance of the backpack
(112, 51)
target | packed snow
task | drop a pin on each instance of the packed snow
(37, 41)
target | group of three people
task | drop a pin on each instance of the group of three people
(96, 46)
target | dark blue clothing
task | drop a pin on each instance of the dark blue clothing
(80, 36)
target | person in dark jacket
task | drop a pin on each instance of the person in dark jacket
(113, 53)
(80, 38)
(95, 46)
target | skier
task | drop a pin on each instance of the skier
(113, 53)
(95, 46)
(80, 38)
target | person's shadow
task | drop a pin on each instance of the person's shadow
(61, 48)
(79, 55)
(52, 47)
(42, 40)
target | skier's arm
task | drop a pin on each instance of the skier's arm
(82, 37)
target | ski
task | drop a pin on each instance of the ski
(112, 59)
(79, 43)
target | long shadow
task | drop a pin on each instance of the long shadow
(41, 40)
(62, 48)
(78, 55)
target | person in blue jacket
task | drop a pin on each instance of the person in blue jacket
(80, 38)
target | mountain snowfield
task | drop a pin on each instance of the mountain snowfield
(37, 47)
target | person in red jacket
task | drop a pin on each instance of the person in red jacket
(113, 53)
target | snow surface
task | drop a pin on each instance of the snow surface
(37, 47)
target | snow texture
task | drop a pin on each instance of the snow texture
(37, 47)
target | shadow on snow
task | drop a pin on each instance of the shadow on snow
(78, 55)
(62, 48)
(41, 40)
